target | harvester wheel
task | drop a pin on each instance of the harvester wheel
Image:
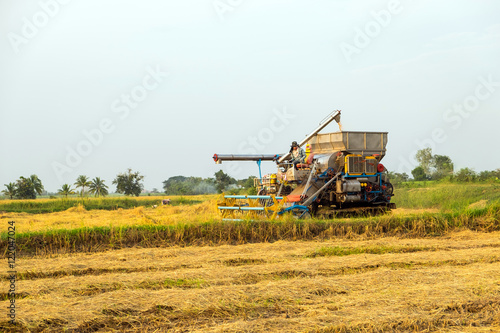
(223, 201)
(220, 201)
(389, 189)
(264, 202)
(275, 208)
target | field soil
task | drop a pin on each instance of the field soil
(449, 283)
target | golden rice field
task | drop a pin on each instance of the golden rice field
(424, 267)
(79, 217)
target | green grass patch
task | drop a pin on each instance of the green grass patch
(446, 196)
(327, 251)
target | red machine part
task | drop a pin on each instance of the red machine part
(380, 167)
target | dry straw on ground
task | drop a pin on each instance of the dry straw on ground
(424, 267)
(268, 287)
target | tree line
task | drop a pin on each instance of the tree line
(440, 167)
(180, 185)
(24, 188)
(130, 183)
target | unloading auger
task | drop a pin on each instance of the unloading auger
(342, 174)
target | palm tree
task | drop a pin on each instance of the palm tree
(36, 183)
(10, 190)
(82, 181)
(65, 190)
(98, 188)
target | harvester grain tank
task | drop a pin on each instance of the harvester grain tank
(342, 173)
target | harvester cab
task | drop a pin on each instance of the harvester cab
(342, 174)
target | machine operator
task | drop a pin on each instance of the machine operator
(298, 154)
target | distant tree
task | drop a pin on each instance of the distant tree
(442, 165)
(398, 178)
(247, 185)
(28, 188)
(252, 191)
(434, 166)
(176, 185)
(489, 175)
(10, 190)
(250, 182)
(496, 173)
(98, 188)
(82, 182)
(180, 185)
(25, 189)
(129, 183)
(484, 175)
(465, 175)
(66, 190)
(155, 190)
(419, 174)
(222, 181)
(37, 184)
(424, 158)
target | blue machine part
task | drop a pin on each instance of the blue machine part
(299, 210)
(252, 197)
(259, 162)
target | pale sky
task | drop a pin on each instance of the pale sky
(96, 87)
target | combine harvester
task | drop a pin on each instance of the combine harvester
(342, 175)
